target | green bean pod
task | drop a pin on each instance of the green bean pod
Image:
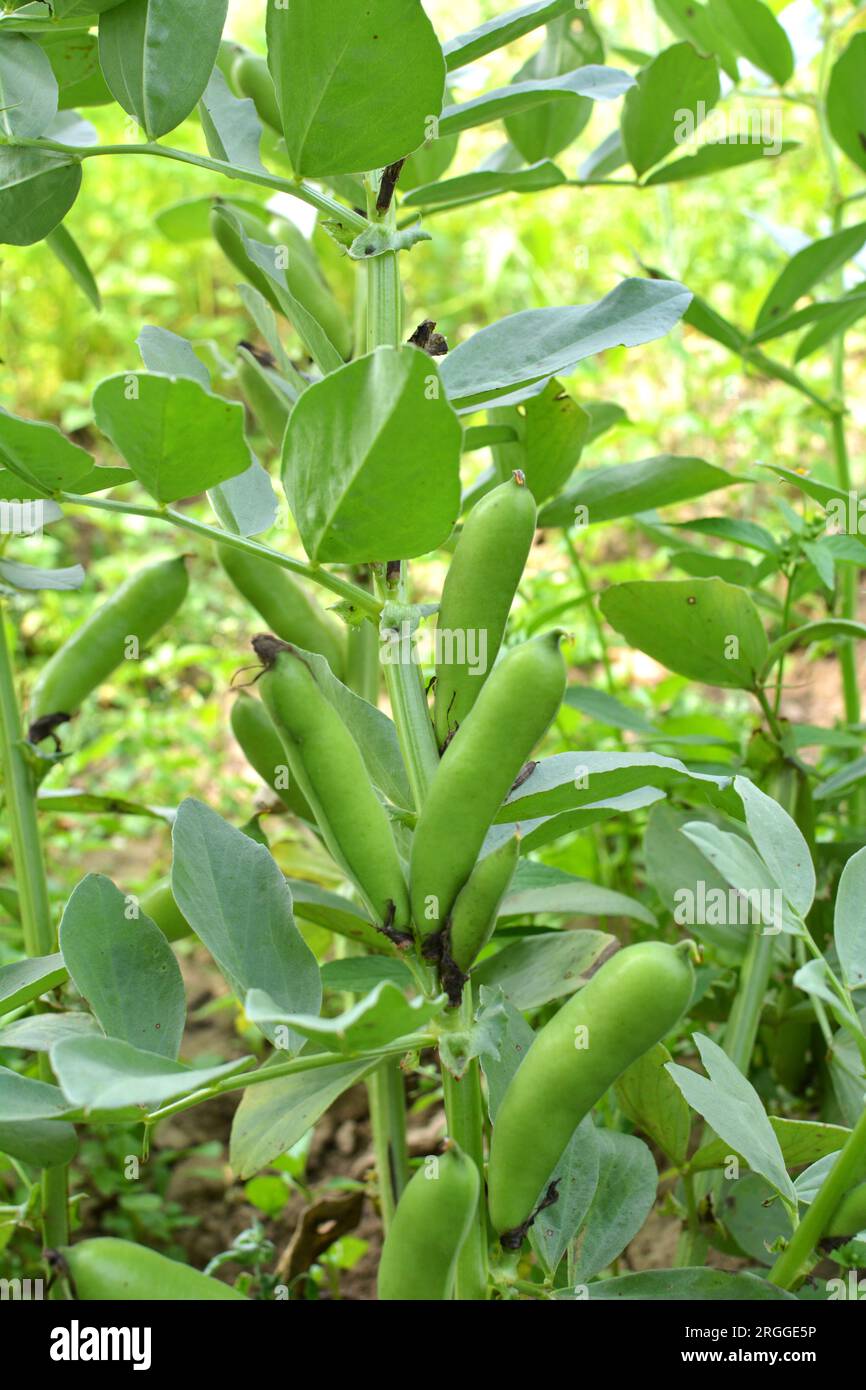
(788, 1041)
(327, 764)
(120, 1271)
(849, 1218)
(251, 77)
(476, 599)
(478, 769)
(288, 610)
(139, 608)
(430, 1226)
(628, 1006)
(307, 283)
(263, 749)
(159, 905)
(304, 279)
(473, 918)
(230, 242)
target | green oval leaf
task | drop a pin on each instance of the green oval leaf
(717, 157)
(687, 1285)
(123, 966)
(625, 489)
(592, 82)
(849, 929)
(71, 256)
(28, 88)
(809, 266)
(376, 1020)
(371, 460)
(624, 1198)
(701, 628)
(44, 1143)
(24, 980)
(542, 132)
(674, 92)
(37, 189)
(178, 439)
(501, 30)
(274, 1115)
(486, 183)
(756, 33)
(359, 86)
(653, 1102)
(105, 1074)
(74, 58)
(732, 1107)
(549, 342)
(39, 454)
(157, 57)
(846, 101)
(238, 903)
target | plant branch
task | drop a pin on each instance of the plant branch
(793, 1263)
(296, 188)
(464, 1115)
(38, 931)
(353, 593)
(317, 1060)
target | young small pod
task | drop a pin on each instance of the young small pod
(628, 1006)
(477, 596)
(473, 919)
(430, 1226)
(251, 77)
(159, 905)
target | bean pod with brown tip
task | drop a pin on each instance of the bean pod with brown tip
(327, 764)
(137, 610)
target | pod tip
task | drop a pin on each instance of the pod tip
(267, 648)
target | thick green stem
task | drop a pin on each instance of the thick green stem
(362, 671)
(692, 1245)
(850, 573)
(405, 684)
(353, 593)
(384, 302)
(388, 1123)
(39, 935)
(382, 317)
(465, 1119)
(745, 1016)
(793, 1264)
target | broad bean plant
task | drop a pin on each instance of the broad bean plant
(585, 1079)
